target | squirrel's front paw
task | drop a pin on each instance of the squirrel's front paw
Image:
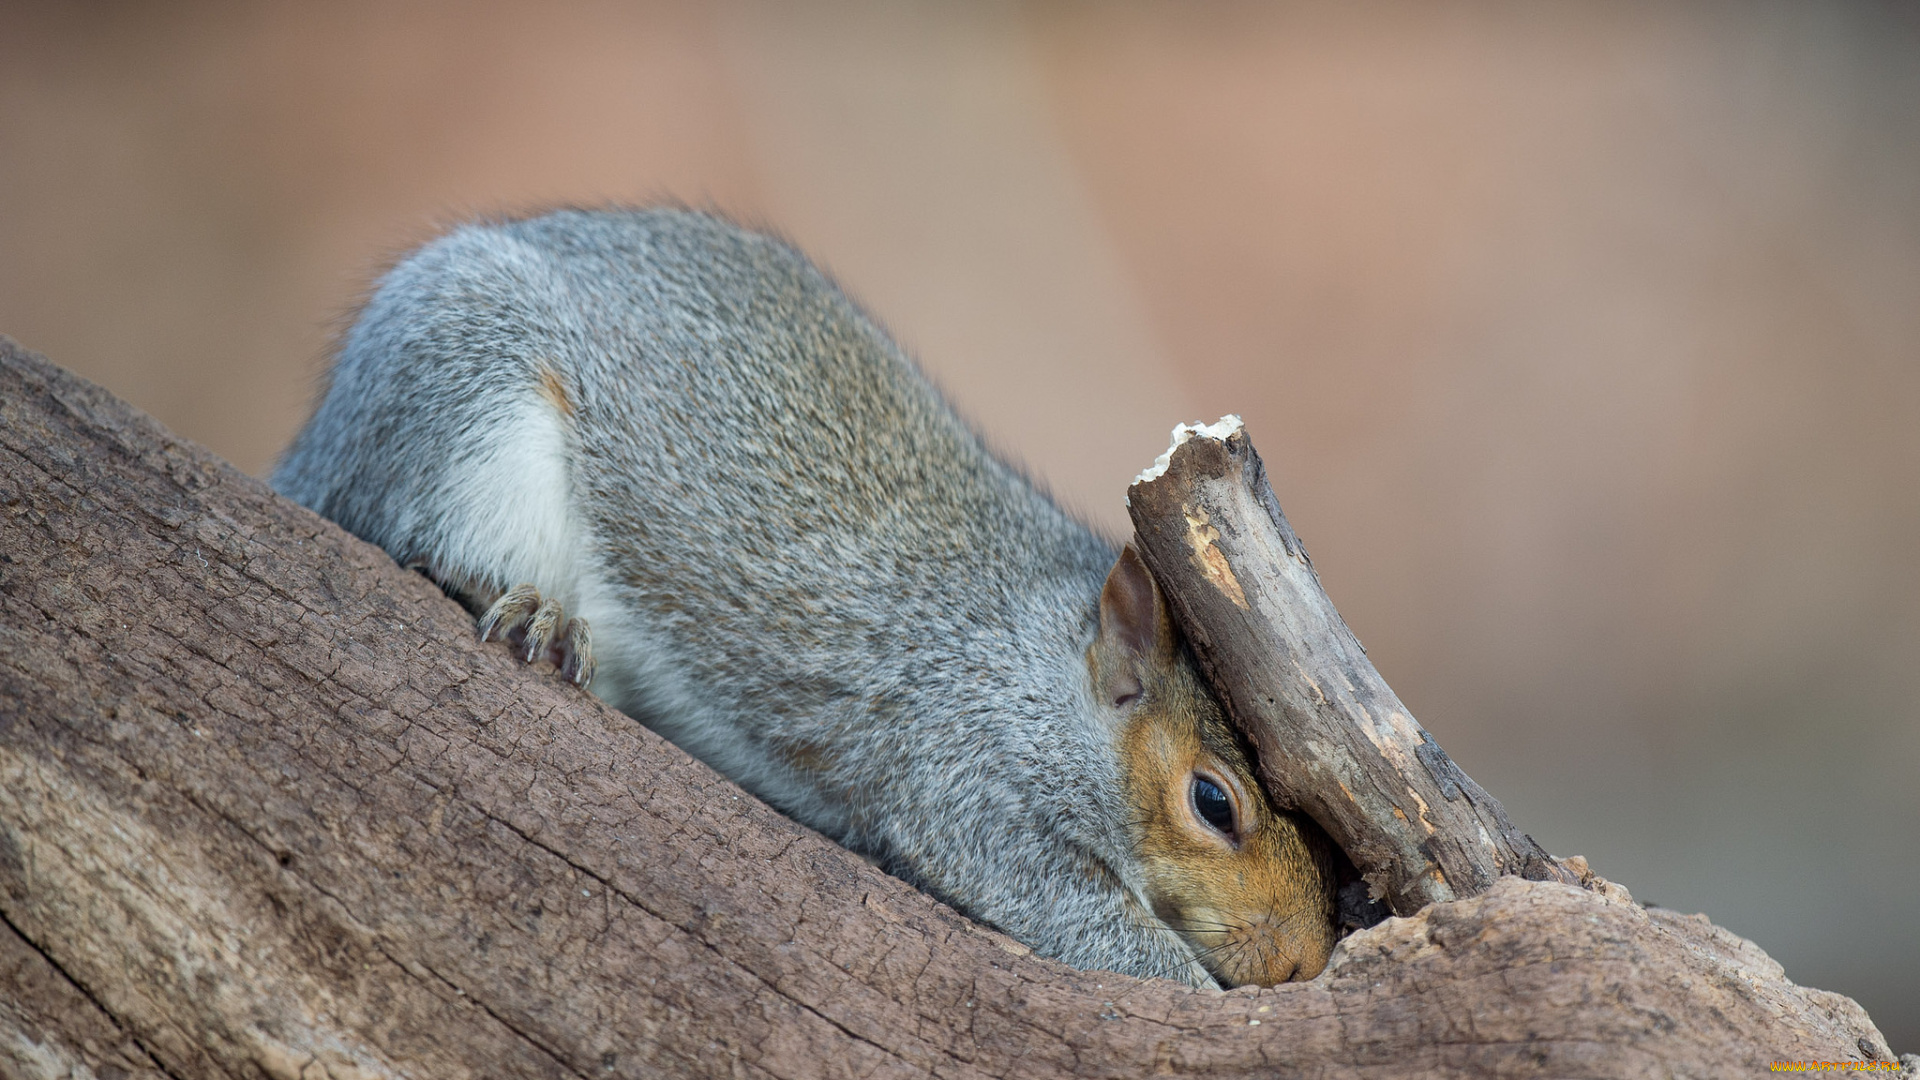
(539, 629)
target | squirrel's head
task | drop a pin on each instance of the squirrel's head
(1250, 887)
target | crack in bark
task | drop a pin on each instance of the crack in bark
(695, 936)
(528, 1037)
(92, 999)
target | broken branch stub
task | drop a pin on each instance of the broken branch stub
(1331, 737)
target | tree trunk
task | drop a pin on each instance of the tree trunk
(268, 808)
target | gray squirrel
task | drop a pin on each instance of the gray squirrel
(670, 455)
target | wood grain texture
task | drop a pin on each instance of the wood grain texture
(1331, 736)
(268, 809)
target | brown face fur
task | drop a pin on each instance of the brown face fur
(1256, 899)
(1256, 902)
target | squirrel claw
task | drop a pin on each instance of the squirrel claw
(509, 613)
(539, 629)
(579, 654)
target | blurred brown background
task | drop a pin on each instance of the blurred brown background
(1583, 341)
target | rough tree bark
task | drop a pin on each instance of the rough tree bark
(1331, 736)
(267, 808)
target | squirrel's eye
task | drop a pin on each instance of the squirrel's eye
(1212, 805)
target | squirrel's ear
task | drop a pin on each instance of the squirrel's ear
(1134, 628)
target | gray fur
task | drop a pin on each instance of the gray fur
(790, 550)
